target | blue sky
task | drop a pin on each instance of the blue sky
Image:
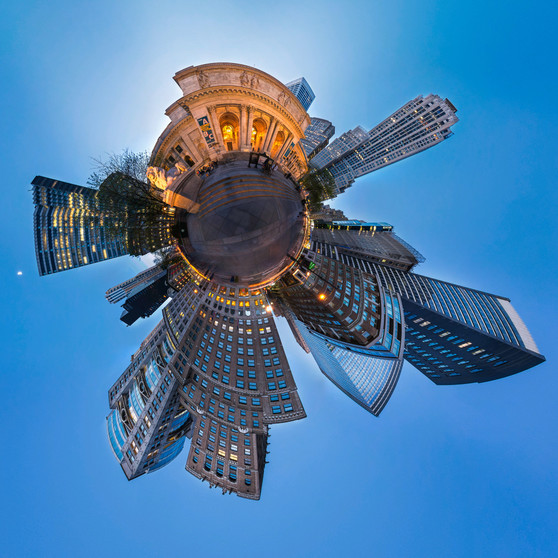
(445, 471)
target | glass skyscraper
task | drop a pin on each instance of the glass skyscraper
(339, 147)
(454, 334)
(418, 125)
(76, 226)
(368, 376)
(71, 228)
(317, 136)
(302, 91)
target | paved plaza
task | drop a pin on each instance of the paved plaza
(247, 225)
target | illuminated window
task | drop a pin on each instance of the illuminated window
(228, 132)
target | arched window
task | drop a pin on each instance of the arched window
(229, 124)
(259, 128)
(228, 133)
(278, 143)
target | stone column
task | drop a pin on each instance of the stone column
(272, 138)
(242, 139)
(196, 155)
(216, 129)
(284, 147)
(270, 130)
(249, 124)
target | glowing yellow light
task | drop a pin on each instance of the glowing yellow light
(228, 132)
(322, 296)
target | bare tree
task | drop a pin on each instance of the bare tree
(137, 208)
(128, 163)
(167, 256)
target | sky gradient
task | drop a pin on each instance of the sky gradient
(445, 471)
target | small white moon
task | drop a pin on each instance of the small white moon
(20, 272)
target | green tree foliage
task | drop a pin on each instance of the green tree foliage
(320, 186)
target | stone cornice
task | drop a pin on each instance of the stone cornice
(206, 72)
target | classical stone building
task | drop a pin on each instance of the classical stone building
(231, 107)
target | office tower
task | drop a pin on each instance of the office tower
(459, 335)
(454, 334)
(317, 136)
(147, 425)
(222, 363)
(71, 228)
(76, 226)
(374, 241)
(353, 327)
(418, 125)
(332, 299)
(144, 400)
(328, 214)
(241, 383)
(145, 299)
(339, 147)
(123, 290)
(302, 91)
(369, 381)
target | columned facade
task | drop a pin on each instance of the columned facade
(270, 137)
(231, 107)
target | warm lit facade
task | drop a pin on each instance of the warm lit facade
(231, 107)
